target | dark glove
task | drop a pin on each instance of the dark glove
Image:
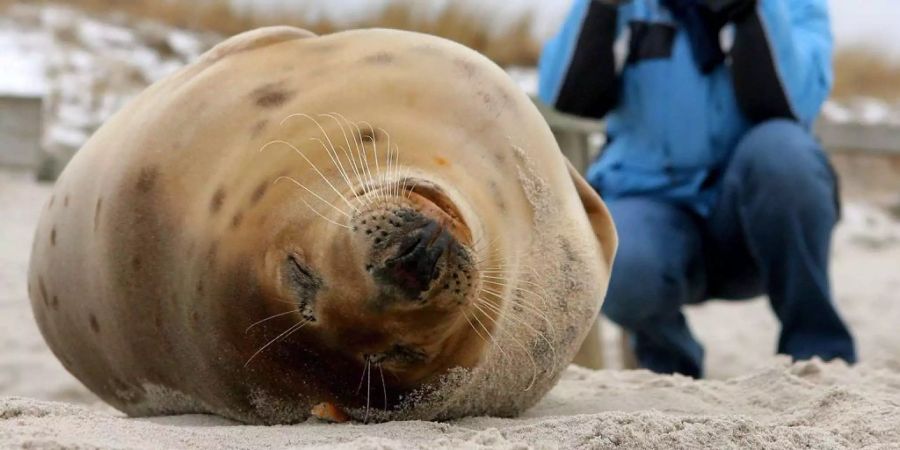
(730, 10)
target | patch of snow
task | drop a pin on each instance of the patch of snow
(22, 59)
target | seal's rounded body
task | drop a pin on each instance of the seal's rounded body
(378, 220)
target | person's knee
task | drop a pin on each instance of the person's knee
(781, 159)
(640, 289)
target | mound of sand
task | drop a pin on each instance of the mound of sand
(754, 399)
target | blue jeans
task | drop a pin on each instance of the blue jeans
(769, 233)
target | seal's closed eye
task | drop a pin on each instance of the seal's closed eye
(304, 283)
(398, 354)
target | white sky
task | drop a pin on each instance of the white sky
(871, 23)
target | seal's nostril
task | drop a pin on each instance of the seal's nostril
(414, 265)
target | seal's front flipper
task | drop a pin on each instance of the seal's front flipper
(601, 220)
(329, 412)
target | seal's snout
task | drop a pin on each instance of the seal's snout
(415, 265)
(417, 252)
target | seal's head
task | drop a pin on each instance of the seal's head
(386, 278)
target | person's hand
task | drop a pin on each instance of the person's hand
(730, 9)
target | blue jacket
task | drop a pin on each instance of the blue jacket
(671, 127)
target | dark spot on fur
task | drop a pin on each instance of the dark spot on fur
(485, 97)
(52, 199)
(367, 135)
(498, 197)
(258, 128)
(380, 58)
(259, 192)
(272, 99)
(146, 179)
(271, 95)
(237, 219)
(43, 289)
(569, 250)
(54, 302)
(467, 67)
(53, 237)
(215, 204)
(66, 201)
(136, 263)
(200, 287)
(213, 253)
(97, 209)
(195, 316)
(95, 326)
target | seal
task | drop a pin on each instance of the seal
(372, 224)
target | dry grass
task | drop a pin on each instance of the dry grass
(862, 72)
(515, 46)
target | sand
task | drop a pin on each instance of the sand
(752, 399)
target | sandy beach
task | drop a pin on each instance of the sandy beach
(751, 400)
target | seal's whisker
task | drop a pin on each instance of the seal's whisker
(336, 161)
(490, 335)
(284, 333)
(368, 389)
(535, 312)
(395, 171)
(378, 174)
(297, 150)
(490, 245)
(488, 257)
(327, 138)
(314, 210)
(500, 281)
(394, 190)
(362, 376)
(383, 386)
(314, 194)
(378, 170)
(345, 174)
(512, 316)
(365, 160)
(362, 153)
(503, 272)
(407, 175)
(522, 322)
(400, 178)
(358, 164)
(270, 318)
(503, 282)
(388, 173)
(475, 329)
(519, 343)
(519, 280)
(347, 152)
(523, 303)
